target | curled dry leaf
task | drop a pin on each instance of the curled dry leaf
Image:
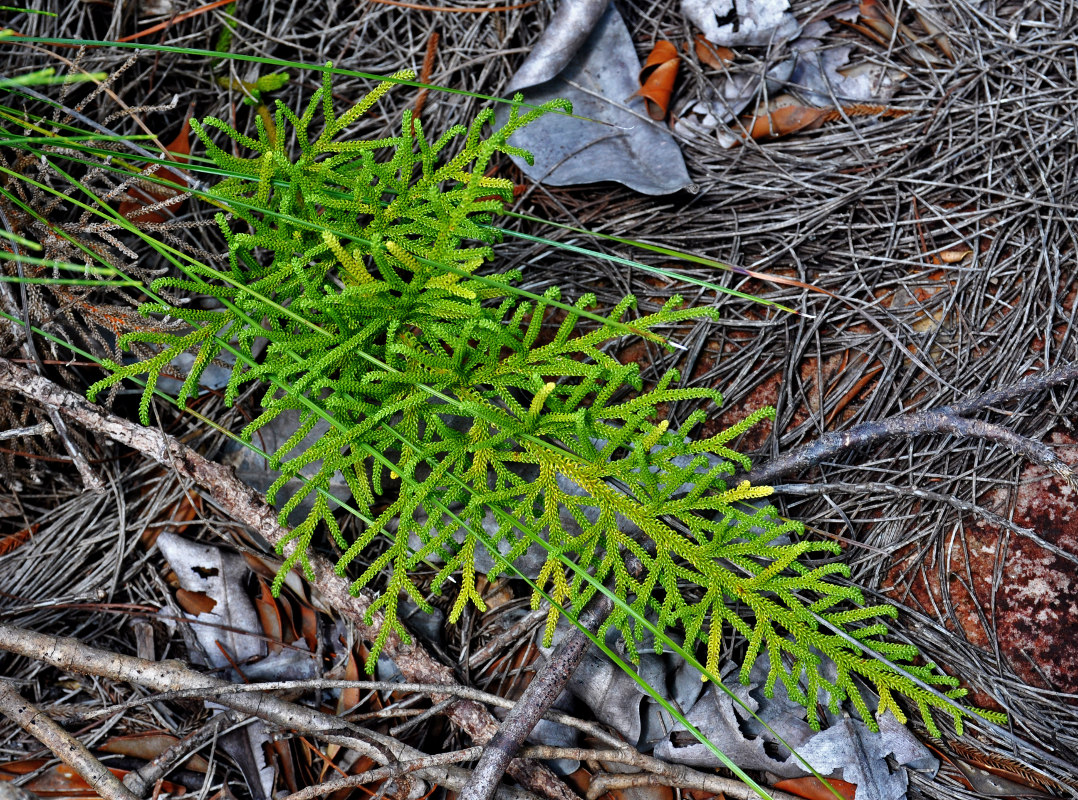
(788, 117)
(784, 120)
(657, 78)
(715, 56)
(880, 25)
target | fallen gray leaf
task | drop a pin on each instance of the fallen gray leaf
(612, 695)
(233, 623)
(906, 748)
(844, 747)
(251, 467)
(215, 376)
(429, 625)
(567, 31)
(531, 562)
(873, 82)
(816, 77)
(754, 22)
(600, 80)
(861, 754)
(554, 734)
(821, 77)
(848, 744)
(687, 685)
(717, 716)
(294, 663)
(615, 697)
(231, 626)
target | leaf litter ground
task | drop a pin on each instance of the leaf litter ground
(944, 238)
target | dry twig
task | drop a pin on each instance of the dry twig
(70, 654)
(61, 743)
(945, 419)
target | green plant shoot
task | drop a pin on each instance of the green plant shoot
(457, 401)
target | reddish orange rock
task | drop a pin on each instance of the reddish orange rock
(1036, 601)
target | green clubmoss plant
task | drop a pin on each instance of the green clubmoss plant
(453, 395)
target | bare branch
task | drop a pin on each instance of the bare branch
(62, 744)
(943, 419)
(70, 654)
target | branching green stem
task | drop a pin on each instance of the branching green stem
(459, 404)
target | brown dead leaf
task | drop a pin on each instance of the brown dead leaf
(13, 769)
(270, 617)
(788, 116)
(281, 753)
(715, 56)
(188, 508)
(61, 781)
(812, 788)
(932, 29)
(349, 698)
(363, 764)
(144, 193)
(784, 120)
(287, 608)
(494, 594)
(955, 255)
(872, 9)
(195, 602)
(148, 746)
(579, 780)
(855, 390)
(17, 539)
(259, 566)
(309, 625)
